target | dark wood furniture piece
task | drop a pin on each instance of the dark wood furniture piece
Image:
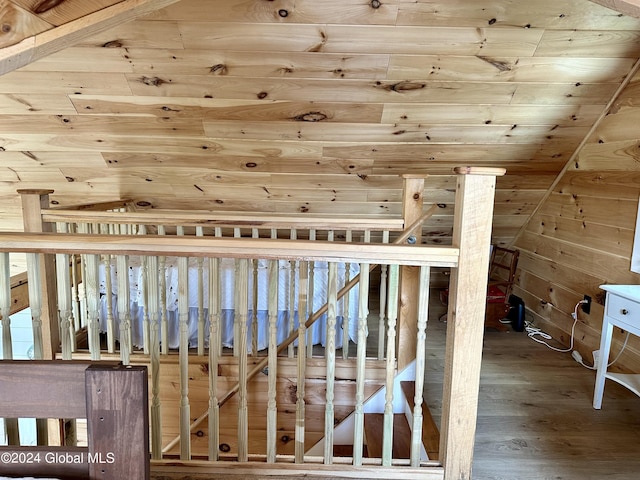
(502, 274)
(112, 397)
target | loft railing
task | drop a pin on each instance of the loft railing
(468, 258)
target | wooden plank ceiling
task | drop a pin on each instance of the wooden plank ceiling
(288, 106)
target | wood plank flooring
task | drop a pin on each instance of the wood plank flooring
(535, 419)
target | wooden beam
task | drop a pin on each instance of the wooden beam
(33, 201)
(628, 7)
(465, 326)
(42, 44)
(412, 203)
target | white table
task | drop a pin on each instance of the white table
(622, 310)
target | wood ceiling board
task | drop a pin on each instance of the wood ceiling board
(627, 7)
(56, 83)
(226, 109)
(539, 181)
(35, 104)
(32, 174)
(74, 59)
(483, 68)
(245, 164)
(298, 11)
(205, 191)
(347, 39)
(256, 64)
(441, 168)
(587, 43)
(110, 125)
(335, 90)
(549, 14)
(294, 111)
(355, 182)
(564, 93)
(424, 152)
(432, 134)
(446, 114)
(157, 144)
(139, 34)
(160, 175)
(37, 159)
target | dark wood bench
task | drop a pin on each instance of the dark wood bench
(112, 397)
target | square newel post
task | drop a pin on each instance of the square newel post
(465, 326)
(412, 202)
(33, 202)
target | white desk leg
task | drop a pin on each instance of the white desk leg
(605, 346)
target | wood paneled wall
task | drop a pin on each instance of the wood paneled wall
(582, 235)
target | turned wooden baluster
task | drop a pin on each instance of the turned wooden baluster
(124, 308)
(363, 312)
(65, 309)
(162, 278)
(383, 302)
(272, 411)
(345, 305)
(214, 354)
(200, 260)
(11, 424)
(330, 356)
(242, 290)
(392, 315)
(302, 361)
(423, 315)
(183, 320)
(154, 351)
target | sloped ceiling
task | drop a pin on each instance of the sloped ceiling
(300, 106)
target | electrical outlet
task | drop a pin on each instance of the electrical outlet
(596, 357)
(586, 307)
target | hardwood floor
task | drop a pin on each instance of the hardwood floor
(535, 419)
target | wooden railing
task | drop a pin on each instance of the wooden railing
(468, 258)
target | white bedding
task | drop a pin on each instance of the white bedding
(26, 478)
(137, 301)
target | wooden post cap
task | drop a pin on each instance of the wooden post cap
(498, 172)
(35, 191)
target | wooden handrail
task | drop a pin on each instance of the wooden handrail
(259, 367)
(217, 247)
(208, 219)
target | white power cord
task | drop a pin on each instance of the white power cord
(533, 331)
(578, 358)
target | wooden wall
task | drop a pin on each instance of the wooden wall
(582, 235)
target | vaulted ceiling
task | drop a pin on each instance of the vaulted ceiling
(302, 106)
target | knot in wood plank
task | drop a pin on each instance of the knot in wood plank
(46, 5)
(152, 81)
(310, 117)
